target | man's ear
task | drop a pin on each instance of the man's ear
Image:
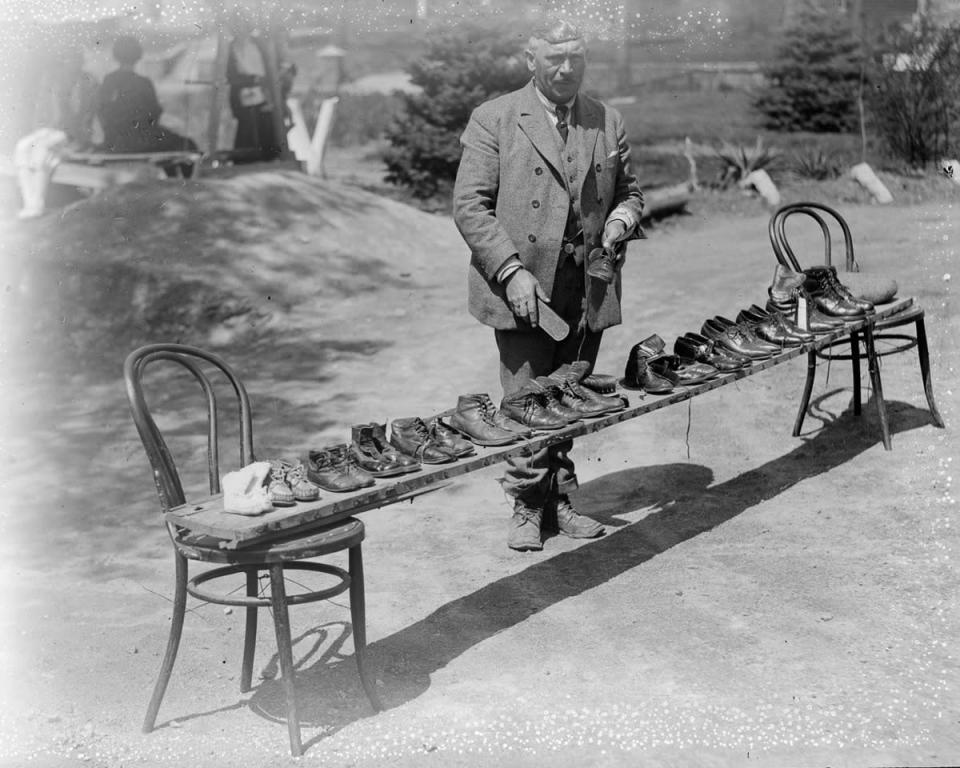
(531, 58)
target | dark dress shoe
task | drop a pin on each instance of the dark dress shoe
(795, 335)
(475, 419)
(334, 469)
(691, 351)
(768, 329)
(733, 338)
(581, 398)
(527, 408)
(684, 373)
(846, 293)
(750, 332)
(412, 437)
(552, 399)
(817, 322)
(783, 290)
(449, 439)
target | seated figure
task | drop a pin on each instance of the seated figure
(128, 108)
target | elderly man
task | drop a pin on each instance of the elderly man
(545, 178)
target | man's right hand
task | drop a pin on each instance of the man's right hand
(523, 289)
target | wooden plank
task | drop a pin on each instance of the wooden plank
(207, 516)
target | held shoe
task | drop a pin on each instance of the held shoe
(334, 469)
(411, 436)
(370, 458)
(528, 408)
(449, 440)
(475, 418)
(378, 434)
(524, 529)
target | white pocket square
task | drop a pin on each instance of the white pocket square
(613, 154)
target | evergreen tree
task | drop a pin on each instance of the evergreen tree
(814, 79)
(461, 69)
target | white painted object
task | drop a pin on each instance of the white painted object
(864, 175)
(760, 180)
(951, 169)
(318, 143)
(297, 137)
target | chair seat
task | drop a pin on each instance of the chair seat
(341, 535)
(908, 315)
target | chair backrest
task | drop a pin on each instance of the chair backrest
(165, 473)
(776, 229)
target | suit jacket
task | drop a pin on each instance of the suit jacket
(511, 196)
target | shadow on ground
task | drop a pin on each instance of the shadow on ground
(684, 504)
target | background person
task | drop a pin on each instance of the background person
(544, 178)
(128, 108)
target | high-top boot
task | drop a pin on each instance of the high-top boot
(820, 286)
(449, 439)
(570, 376)
(379, 434)
(784, 289)
(412, 437)
(474, 418)
(529, 408)
(846, 293)
(371, 458)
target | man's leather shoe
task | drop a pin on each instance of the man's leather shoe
(820, 286)
(449, 439)
(524, 530)
(693, 347)
(560, 516)
(502, 420)
(783, 320)
(371, 458)
(750, 332)
(552, 399)
(768, 329)
(412, 437)
(475, 418)
(733, 338)
(570, 377)
(784, 289)
(528, 408)
(334, 469)
(848, 295)
(684, 373)
(817, 322)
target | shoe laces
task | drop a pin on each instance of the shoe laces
(296, 474)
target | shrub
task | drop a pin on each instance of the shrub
(460, 69)
(915, 95)
(740, 161)
(816, 164)
(813, 83)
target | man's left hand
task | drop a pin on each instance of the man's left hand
(613, 232)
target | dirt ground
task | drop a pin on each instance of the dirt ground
(758, 599)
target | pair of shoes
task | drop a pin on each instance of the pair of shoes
(831, 296)
(449, 439)
(478, 419)
(374, 455)
(245, 491)
(738, 338)
(576, 395)
(553, 399)
(414, 438)
(334, 468)
(560, 516)
(287, 483)
(774, 327)
(784, 294)
(695, 347)
(681, 372)
(637, 373)
(535, 408)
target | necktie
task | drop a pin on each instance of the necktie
(562, 122)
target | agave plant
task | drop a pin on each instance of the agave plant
(817, 164)
(740, 161)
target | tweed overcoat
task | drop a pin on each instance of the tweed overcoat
(513, 192)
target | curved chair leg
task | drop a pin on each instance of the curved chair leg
(877, 386)
(358, 617)
(925, 371)
(855, 359)
(807, 389)
(281, 621)
(250, 634)
(173, 642)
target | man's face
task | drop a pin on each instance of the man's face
(558, 68)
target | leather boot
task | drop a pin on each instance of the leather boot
(333, 469)
(784, 288)
(380, 442)
(528, 408)
(570, 377)
(825, 296)
(637, 373)
(449, 439)
(412, 437)
(501, 419)
(551, 397)
(371, 458)
(846, 293)
(566, 520)
(524, 529)
(474, 418)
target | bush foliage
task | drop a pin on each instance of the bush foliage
(814, 80)
(915, 92)
(461, 69)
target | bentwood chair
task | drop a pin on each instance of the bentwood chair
(885, 342)
(274, 558)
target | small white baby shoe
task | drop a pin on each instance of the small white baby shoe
(244, 492)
